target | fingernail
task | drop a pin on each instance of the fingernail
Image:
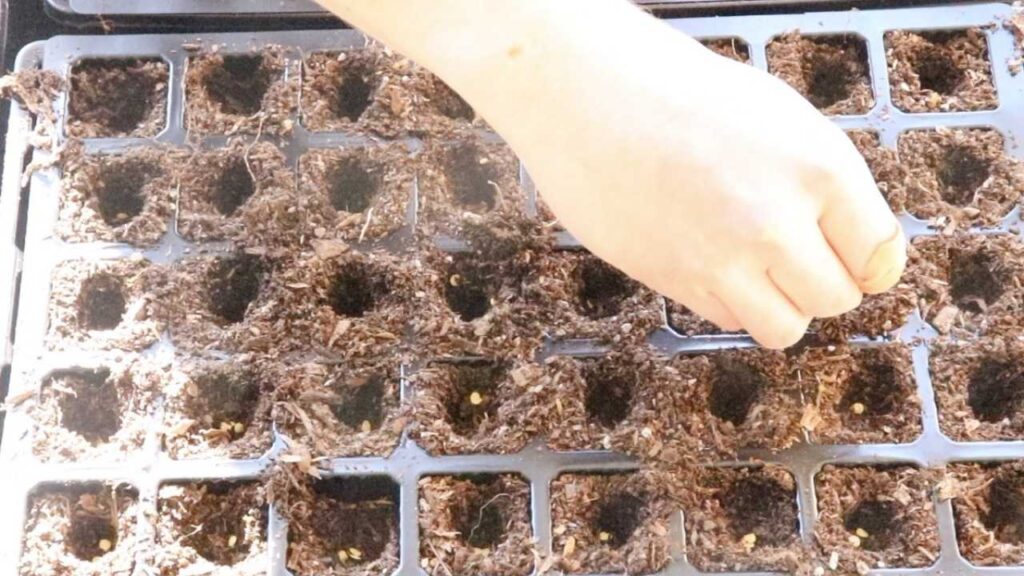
(886, 265)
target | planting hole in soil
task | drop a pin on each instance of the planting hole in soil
(936, 69)
(1005, 516)
(354, 93)
(233, 187)
(472, 178)
(362, 407)
(239, 84)
(609, 392)
(115, 97)
(120, 194)
(449, 103)
(224, 401)
(473, 397)
(831, 76)
(974, 279)
(356, 289)
(352, 184)
(874, 389)
(233, 284)
(360, 521)
(91, 536)
(216, 523)
(481, 518)
(90, 406)
(467, 290)
(101, 302)
(618, 516)
(875, 522)
(759, 505)
(735, 388)
(960, 173)
(600, 288)
(995, 390)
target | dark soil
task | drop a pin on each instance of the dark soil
(978, 388)
(356, 289)
(101, 302)
(89, 404)
(735, 388)
(830, 71)
(212, 525)
(974, 281)
(469, 288)
(989, 509)
(945, 71)
(339, 88)
(741, 519)
(600, 288)
(234, 186)
(877, 517)
(117, 98)
(476, 524)
(84, 529)
(610, 389)
(119, 197)
(348, 526)
(731, 48)
(352, 185)
(233, 284)
(610, 523)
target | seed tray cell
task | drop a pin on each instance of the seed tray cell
(355, 375)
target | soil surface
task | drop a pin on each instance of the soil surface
(220, 408)
(829, 71)
(94, 415)
(731, 48)
(989, 509)
(80, 530)
(946, 71)
(253, 93)
(956, 178)
(215, 528)
(885, 166)
(341, 410)
(969, 284)
(741, 519)
(341, 526)
(475, 525)
(103, 305)
(979, 387)
(117, 98)
(877, 517)
(864, 394)
(120, 197)
(686, 322)
(358, 194)
(610, 523)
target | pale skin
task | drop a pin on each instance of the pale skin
(709, 181)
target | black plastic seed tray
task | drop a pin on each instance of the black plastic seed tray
(151, 468)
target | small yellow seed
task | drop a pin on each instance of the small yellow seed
(455, 280)
(232, 541)
(604, 536)
(342, 555)
(105, 545)
(355, 554)
(226, 427)
(854, 541)
(366, 426)
(749, 541)
(476, 399)
(860, 532)
(239, 428)
(858, 408)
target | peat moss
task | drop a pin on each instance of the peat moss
(877, 517)
(863, 394)
(947, 71)
(686, 322)
(877, 315)
(81, 529)
(341, 410)
(216, 528)
(885, 166)
(829, 71)
(117, 98)
(731, 48)
(610, 523)
(989, 510)
(475, 525)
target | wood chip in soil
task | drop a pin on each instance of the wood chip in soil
(248, 93)
(608, 523)
(476, 525)
(340, 410)
(865, 394)
(829, 71)
(100, 305)
(94, 414)
(988, 505)
(117, 98)
(357, 194)
(979, 387)
(118, 197)
(741, 519)
(217, 528)
(220, 408)
(243, 192)
(877, 517)
(947, 71)
(80, 530)
(969, 284)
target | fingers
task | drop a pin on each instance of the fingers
(711, 308)
(862, 230)
(763, 310)
(810, 274)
